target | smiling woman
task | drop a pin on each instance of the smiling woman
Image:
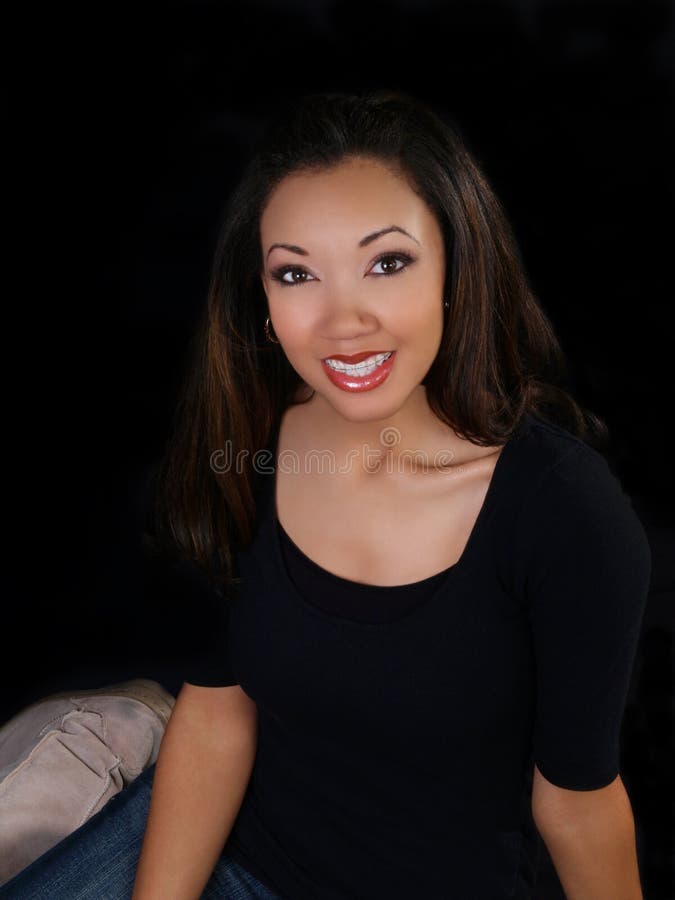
(376, 301)
(421, 655)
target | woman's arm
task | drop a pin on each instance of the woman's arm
(590, 836)
(201, 775)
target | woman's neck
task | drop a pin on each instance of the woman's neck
(413, 439)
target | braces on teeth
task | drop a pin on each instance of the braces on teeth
(361, 367)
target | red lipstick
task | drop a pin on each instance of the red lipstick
(353, 383)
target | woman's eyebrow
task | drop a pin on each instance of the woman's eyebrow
(368, 239)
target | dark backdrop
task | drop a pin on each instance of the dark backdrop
(128, 126)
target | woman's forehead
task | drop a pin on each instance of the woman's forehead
(353, 172)
(352, 197)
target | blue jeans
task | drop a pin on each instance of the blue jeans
(98, 860)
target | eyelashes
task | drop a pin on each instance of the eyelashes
(400, 256)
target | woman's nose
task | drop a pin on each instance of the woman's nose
(348, 312)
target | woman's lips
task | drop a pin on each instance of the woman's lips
(356, 383)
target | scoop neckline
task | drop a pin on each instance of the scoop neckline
(355, 585)
(454, 571)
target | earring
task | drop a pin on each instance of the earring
(446, 305)
(267, 332)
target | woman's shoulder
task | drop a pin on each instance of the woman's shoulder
(548, 452)
(572, 531)
(569, 487)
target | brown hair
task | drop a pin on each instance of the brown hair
(499, 356)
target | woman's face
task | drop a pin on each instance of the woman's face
(354, 263)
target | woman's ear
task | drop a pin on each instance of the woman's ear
(263, 278)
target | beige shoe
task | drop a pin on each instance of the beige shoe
(63, 757)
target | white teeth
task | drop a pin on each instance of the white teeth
(365, 367)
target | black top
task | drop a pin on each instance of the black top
(366, 602)
(399, 726)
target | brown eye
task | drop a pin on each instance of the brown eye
(297, 275)
(389, 264)
(392, 263)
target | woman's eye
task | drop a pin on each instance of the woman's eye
(388, 264)
(297, 275)
(392, 263)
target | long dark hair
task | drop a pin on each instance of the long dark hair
(499, 356)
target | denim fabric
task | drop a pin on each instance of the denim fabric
(98, 860)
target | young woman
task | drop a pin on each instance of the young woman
(431, 584)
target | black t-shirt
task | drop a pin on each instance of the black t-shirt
(399, 726)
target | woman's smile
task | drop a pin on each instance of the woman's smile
(363, 376)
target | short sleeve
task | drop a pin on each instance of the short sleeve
(206, 659)
(190, 619)
(587, 567)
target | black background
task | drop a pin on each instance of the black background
(127, 129)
